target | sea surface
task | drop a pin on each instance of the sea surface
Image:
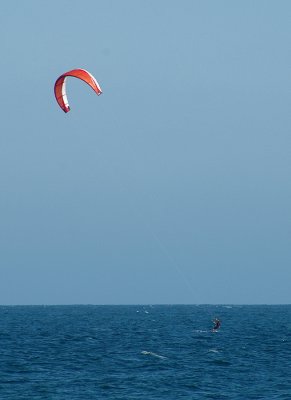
(145, 352)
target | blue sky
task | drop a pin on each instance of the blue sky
(171, 187)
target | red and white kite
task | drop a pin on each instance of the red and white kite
(60, 86)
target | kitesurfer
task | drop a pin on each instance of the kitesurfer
(217, 324)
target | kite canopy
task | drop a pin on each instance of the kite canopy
(60, 86)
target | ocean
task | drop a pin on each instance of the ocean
(145, 352)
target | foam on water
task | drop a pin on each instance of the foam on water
(150, 353)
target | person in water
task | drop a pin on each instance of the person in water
(217, 324)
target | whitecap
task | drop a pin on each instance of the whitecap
(150, 353)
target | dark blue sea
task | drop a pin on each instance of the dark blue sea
(145, 352)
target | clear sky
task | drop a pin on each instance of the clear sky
(174, 185)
